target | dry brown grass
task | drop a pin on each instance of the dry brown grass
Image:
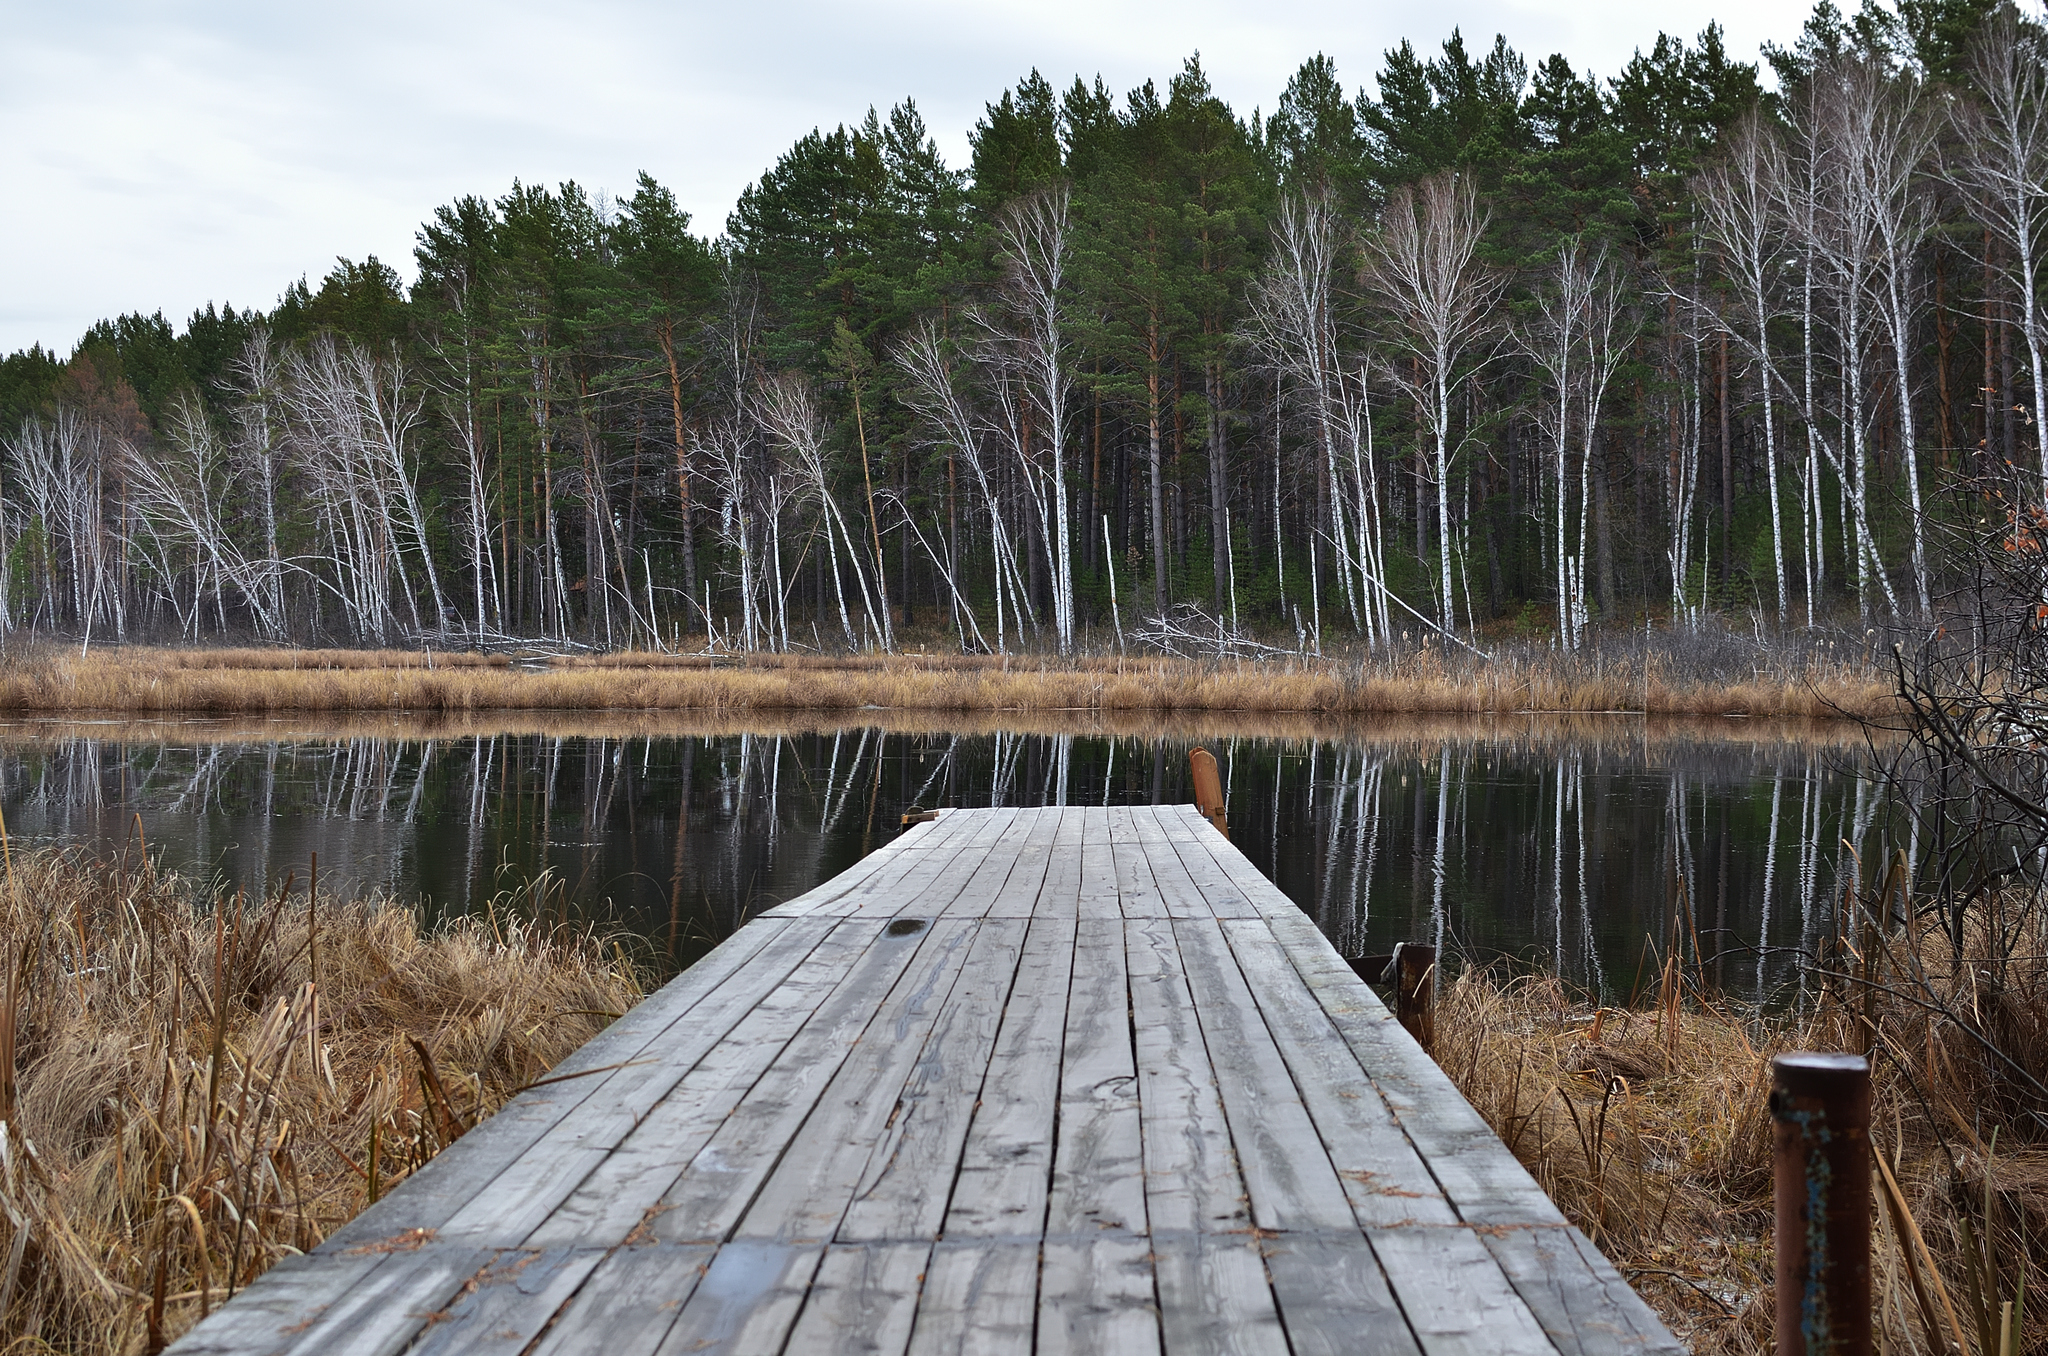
(220, 682)
(181, 1104)
(1421, 735)
(1649, 1127)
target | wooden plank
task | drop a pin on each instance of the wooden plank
(1226, 899)
(942, 834)
(506, 1305)
(1214, 1299)
(1098, 893)
(1006, 1163)
(746, 1302)
(1262, 893)
(721, 1178)
(1386, 1179)
(1292, 1183)
(1584, 1305)
(1017, 896)
(1473, 1169)
(629, 1303)
(1098, 1165)
(910, 875)
(908, 1180)
(1334, 1298)
(1059, 895)
(1192, 1182)
(1177, 891)
(888, 1129)
(1137, 894)
(1456, 1298)
(521, 1198)
(986, 828)
(617, 1194)
(389, 1306)
(927, 888)
(863, 1300)
(881, 861)
(455, 1176)
(265, 1315)
(1007, 857)
(980, 1299)
(1095, 1296)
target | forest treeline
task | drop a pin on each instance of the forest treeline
(1490, 344)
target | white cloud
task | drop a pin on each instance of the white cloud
(166, 155)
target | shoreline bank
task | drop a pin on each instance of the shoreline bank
(148, 681)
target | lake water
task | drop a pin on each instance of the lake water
(1570, 845)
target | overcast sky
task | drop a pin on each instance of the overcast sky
(163, 155)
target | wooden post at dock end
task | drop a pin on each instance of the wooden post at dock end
(1820, 1114)
(1208, 788)
(1413, 972)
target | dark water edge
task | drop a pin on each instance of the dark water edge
(1561, 845)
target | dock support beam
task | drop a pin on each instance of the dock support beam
(1820, 1113)
(1413, 973)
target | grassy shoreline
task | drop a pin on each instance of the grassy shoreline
(184, 1105)
(1648, 1125)
(219, 682)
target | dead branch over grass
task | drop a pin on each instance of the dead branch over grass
(221, 682)
(1649, 1127)
(181, 1104)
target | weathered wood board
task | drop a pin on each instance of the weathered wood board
(1056, 1080)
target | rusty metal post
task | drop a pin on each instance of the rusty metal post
(1208, 788)
(1820, 1109)
(1413, 972)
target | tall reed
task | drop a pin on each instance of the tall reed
(194, 1085)
(1648, 1123)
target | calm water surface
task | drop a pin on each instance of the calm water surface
(1562, 846)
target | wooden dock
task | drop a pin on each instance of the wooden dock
(1056, 1081)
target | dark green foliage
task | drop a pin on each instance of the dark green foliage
(1451, 113)
(28, 384)
(573, 359)
(142, 351)
(1313, 138)
(365, 302)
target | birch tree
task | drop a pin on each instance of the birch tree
(1887, 137)
(932, 392)
(1293, 322)
(1739, 197)
(790, 417)
(1025, 347)
(1439, 297)
(1578, 337)
(1834, 221)
(2002, 159)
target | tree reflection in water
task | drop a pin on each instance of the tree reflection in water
(1584, 849)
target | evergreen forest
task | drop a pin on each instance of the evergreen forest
(1480, 346)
